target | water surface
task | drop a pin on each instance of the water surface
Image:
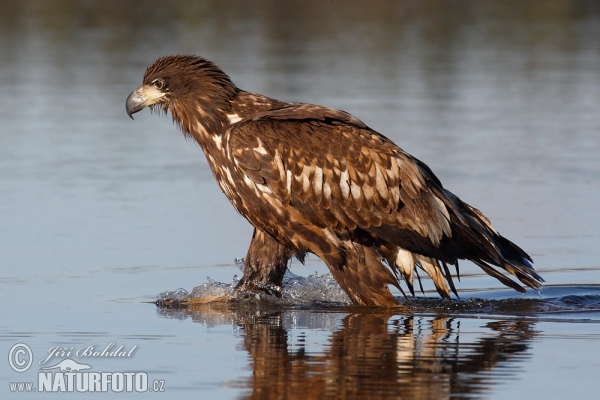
(100, 214)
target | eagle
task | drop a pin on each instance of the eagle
(313, 179)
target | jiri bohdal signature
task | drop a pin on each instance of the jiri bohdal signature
(89, 351)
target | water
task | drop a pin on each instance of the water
(100, 214)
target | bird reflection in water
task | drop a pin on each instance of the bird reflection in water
(370, 354)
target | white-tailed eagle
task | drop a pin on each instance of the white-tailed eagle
(311, 179)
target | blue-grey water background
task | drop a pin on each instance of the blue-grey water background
(99, 214)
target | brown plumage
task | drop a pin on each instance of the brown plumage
(314, 179)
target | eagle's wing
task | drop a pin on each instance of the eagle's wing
(339, 173)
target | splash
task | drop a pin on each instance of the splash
(210, 291)
(321, 290)
(313, 289)
(296, 290)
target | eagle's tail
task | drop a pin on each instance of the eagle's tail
(500, 252)
(473, 238)
(480, 243)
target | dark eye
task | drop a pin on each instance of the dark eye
(159, 84)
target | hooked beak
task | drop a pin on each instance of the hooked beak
(141, 98)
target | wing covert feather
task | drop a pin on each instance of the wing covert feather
(340, 174)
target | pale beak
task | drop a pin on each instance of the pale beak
(141, 98)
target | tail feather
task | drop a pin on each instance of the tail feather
(419, 280)
(502, 278)
(449, 277)
(488, 249)
(432, 268)
(404, 261)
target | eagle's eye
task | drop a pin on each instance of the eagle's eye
(159, 84)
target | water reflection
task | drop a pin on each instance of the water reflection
(368, 354)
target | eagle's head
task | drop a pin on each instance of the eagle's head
(186, 85)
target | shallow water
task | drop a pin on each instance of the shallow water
(100, 214)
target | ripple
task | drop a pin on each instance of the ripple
(322, 291)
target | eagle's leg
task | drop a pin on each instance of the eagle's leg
(264, 265)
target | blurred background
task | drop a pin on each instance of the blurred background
(99, 214)
(500, 99)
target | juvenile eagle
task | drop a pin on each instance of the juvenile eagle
(311, 179)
